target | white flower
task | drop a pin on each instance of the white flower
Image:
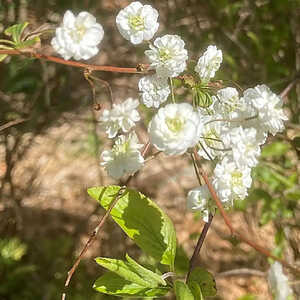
(124, 158)
(154, 90)
(168, 56)
(228, 104)
(78, 37)
(211, 144)
(137, 22)
(244, 144)
(175, 128)
(268, 106)
(209, 63)
(122, 116)
(230, 182)
(199, 199)
(279, 282)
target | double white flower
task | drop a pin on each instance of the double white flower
(167, 56)
(124, 158)
(175, 128)
(231, 182)
(137, 22)
(199, 200)
(154, 90)
(121, 116)
(78, 37)
(268, 107)
(209, 63)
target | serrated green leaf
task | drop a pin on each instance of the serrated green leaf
(112, 284)
(205, 280)
(182, 291)
(15, 31)
(275, 149)
(142, 220)
(153, 278)
(123, 269)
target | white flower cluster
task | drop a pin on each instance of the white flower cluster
(234, 133)
(137, 22)
(279, 282)
(125, 156)
(78, 37)
(224, 126)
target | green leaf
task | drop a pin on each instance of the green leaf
(27, 43)
(2, 56)
(131, 271)
(276, 149)
(124, 270)
(182, 291)
(15, 31)
(196, 290)
(205, 280)
(142, 220)
(112, 284)
(153, 278)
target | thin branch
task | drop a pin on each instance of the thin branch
(99, 226)
(233, 231)
(13, 123)
(241, 272)
(198, 247)
(286, 91)
(76, 64)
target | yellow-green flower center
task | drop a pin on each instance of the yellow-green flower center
(211, 138)
(165, 54)
(78, 33)
(175, 124)
(120, 149)
(136, 23)
(236, 178)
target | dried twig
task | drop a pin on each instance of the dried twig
(13, 123)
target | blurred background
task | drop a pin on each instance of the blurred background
(50, 158)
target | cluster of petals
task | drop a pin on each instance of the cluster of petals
(199, 200)
(121, 116)
(231, 182)
(167, 56)
(175, 128)
(228, 103)
(209, 63)
(211, 144)
(268, 107)
(279, 282)
(244, 145)
(78, 37)
(154, 90)
(124, 157)
(137, 22)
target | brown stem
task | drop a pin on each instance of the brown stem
(233, 231)
(58, 60)
(98, 227)
(12, 123)
(198, 247)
